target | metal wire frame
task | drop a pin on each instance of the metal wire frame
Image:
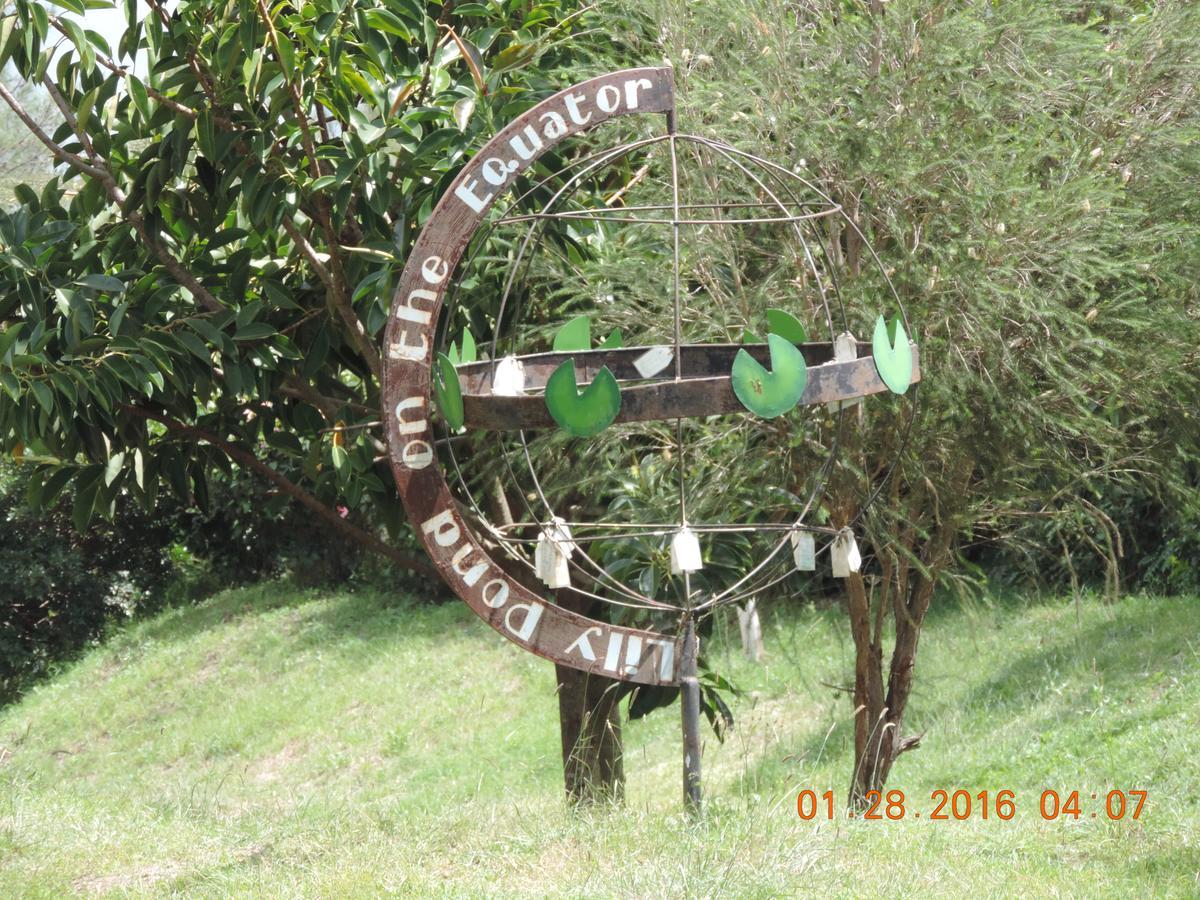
(589, 164)
(680, 446)
(606, 158)
(522, 261)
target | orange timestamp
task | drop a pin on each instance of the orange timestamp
(959, 805)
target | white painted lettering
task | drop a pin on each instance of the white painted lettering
(605, 104)
(434, 269)
(555, 127)
(633, 654)
(471, 575)
(533, 614)
(416, 455)
(573, 109)
(517, 142)
(443, 528)
(408, 310)
(410, 426)
(613, 655)
(666, 660)
(494, 171)
(631, 91)
(466, 193)
(402, 349)
(499, 595)
(583, 645)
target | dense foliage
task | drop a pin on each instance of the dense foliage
(63, 587)
(60, 586)
(1021, 168)
(203, 282)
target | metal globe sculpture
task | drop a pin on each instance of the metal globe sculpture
(511, 429)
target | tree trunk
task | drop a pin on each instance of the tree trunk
(907, 589)
(589, 718)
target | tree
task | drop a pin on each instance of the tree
(1018, 166)
(203, 281)
(202, 284)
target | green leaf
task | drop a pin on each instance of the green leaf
(105, 283)
(448, 392)
(195, 346)
(254, 331)
(75, 6)
(770, 394)
(287, 53)
(7, 35)
(248, 314)
(141, 100)
(206, 330)
(784, 324)
(470, 353)
(87, 489)
(389, 22)
(87, 55)
(582, 414)
(462, 112)
(45, 396)
(53, 485)
(893, 354)
(513, 57)
(575, 335)
(113, 468)
(614, 341)
(340, 458)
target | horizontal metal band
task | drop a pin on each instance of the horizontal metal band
(705, 388)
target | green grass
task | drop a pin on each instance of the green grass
(274, 742)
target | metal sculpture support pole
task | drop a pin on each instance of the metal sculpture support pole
(689, 696)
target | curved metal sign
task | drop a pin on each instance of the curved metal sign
(508, 606)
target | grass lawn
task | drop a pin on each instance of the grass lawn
(275, 742)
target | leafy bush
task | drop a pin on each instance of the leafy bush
(61, 587)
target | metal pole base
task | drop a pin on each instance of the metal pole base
(689, 695)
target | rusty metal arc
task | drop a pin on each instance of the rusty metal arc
(511, 608)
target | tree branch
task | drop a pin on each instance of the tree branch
(289, 487)
(118, 69)
(60, 153)
(69, 115)
(99, 171)
(204, 80)
(310, 253)
(338, 290)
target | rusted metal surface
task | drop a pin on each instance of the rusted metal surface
(701, 392)
(519, 614)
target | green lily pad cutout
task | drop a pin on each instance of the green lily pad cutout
(586, 414)
(448, 392)
(770, 394)
(575, 335)
(893, 355)
(469, 352)
(749, 337)
(784, 324)
(614, 341)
